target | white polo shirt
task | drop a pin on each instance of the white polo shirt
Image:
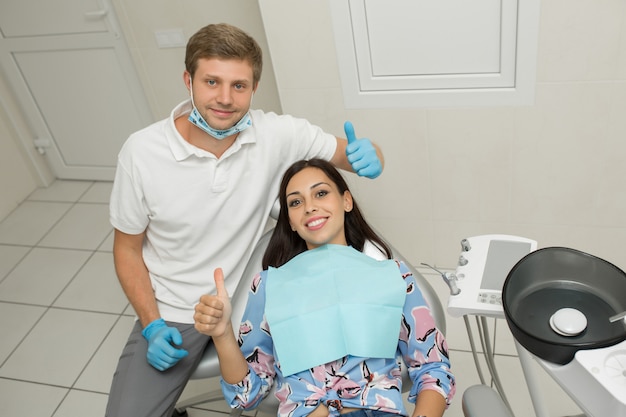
(201, 212)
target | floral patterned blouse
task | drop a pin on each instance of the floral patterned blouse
(352, 382)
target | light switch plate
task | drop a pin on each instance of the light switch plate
(170, 38)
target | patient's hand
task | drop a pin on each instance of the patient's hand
(212, 316)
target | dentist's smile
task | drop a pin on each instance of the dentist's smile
(222, 113)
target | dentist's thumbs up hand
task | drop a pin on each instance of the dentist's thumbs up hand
(212, 316)
(361, 154)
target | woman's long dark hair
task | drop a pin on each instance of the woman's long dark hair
(286, 244)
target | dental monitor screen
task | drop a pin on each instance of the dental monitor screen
(501, 257)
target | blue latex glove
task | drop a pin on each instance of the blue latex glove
(362, 154)
(161, 354)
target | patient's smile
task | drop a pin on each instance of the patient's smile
(316, 223)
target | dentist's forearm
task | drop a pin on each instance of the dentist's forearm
(134, 277)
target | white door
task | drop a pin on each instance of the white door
(72, 74)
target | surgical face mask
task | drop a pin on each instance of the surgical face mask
(196, 118)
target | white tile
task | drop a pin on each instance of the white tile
(130, 311)
(61, 190)
(15, 322)
(84, 226)
(41, 276)
(562, 186)
(580, 43)
(98, 374)
(95, 287)
(107, 244)
(413, 239)
(99, 192)
(26, 399)
(9, 257)
(58, 347)
(27, 224)
(82, 404)
(466, 148)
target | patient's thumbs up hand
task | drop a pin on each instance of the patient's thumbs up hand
(212, 313)
(218, 276)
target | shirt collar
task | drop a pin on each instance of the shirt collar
(181, 149)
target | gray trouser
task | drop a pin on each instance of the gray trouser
(140, 390)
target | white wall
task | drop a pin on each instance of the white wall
(553, 171)
(161, 69)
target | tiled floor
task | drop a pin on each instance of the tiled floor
(64, 318)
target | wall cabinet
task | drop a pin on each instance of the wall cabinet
(431, 53)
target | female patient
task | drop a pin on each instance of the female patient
(290, 333)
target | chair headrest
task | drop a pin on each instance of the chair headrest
(275, 210)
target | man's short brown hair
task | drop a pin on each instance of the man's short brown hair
(224, 41)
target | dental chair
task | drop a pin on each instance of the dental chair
(478, 400)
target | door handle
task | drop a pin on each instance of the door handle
(97, 14)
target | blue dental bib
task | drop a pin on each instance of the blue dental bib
(330, 302)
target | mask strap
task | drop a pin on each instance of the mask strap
(191, 91)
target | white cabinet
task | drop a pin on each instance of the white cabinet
(431, 53)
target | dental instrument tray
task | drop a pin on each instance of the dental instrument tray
(483, 266)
